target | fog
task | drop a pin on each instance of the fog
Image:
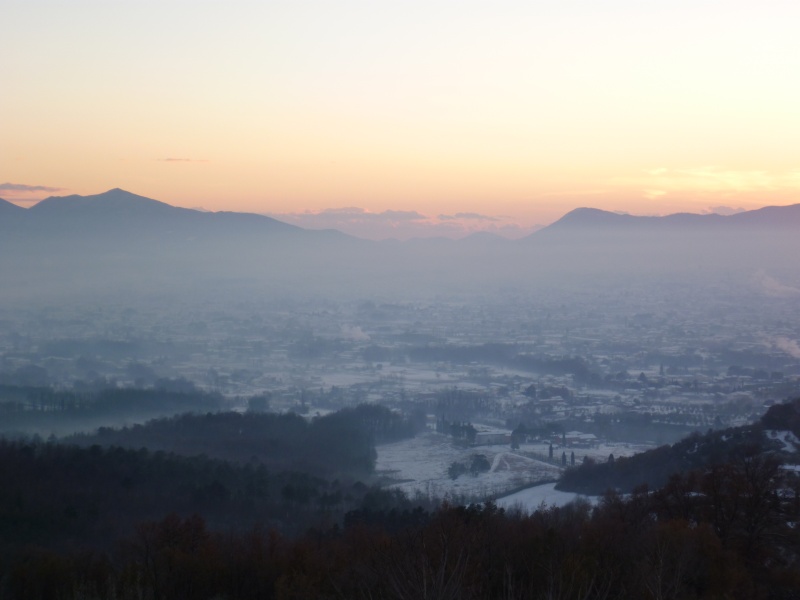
(676, 324)
(166, 373)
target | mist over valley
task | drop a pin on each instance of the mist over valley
(248, 371)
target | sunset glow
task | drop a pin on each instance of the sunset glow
(511, 112)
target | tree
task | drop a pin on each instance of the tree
(479, 464)
(259, 403)
(455, 470)
(470, 433)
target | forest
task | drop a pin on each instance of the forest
(29, 409)
(665, 545)
(694, 453)
(261, 505)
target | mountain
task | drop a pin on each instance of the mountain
(114, 203)
(118, 240)
(121, 213)
(7, 209)
(596, 221)
(773, 217)
(590, 242)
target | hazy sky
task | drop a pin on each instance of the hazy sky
(511, 113)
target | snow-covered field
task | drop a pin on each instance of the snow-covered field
(541, 495)
(419, 466)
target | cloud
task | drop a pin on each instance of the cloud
(468, 216)
(723, 210)
(23, 188)
(354, 332)
(353, 213)
(401, 215)
(772, 287)
(403, 224)
(347, 217)
(347, 210)
(22, 193)
(791, 347)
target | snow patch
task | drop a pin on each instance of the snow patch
(787, 438)
(534, 498)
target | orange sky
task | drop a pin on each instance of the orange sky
(517, 111)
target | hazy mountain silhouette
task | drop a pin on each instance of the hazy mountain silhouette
(597, 221)
(120, 213)
(589, 241)
(7, 209)
(121, 241)
(773, 217)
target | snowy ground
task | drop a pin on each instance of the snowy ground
(419, 465)
(536, 497)
(787, 438)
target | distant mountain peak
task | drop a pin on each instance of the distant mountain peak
(7, 207)
(118, 212)
(583, 211)
(116, 194)
(598, 221)
(589, 217)
(115, 203)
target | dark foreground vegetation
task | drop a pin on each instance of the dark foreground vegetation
(342, 442)
(97, 520)
(648, 546)
(282, 471)
(64, 496)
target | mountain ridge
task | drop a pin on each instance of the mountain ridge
(121, 240)
(118, 203)
(598, 220)
(7, 207)
(117, 206)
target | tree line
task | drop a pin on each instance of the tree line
(645, 546)
(694, 452)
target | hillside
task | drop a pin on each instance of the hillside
(776, 435)
(341, 442)
(7, 208)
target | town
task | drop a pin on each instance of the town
(541, 380)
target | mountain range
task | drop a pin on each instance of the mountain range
(118, 239)
(770, 218)
(119, 210)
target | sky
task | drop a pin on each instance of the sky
(400, 118)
